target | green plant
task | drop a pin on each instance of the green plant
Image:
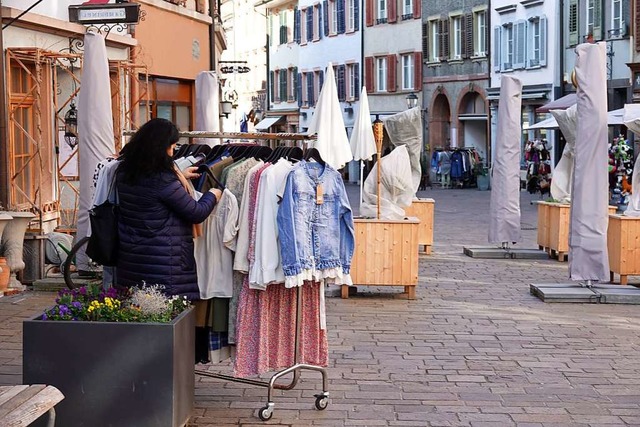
(138, 304)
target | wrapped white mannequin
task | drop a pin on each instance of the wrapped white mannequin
(632, 121)
(563, 172)
(405, 128)
(396, 187)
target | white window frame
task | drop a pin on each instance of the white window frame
(381, 74)
(456, 37)
(305, 94)
(408, 71)
(534, 35)
(351, 82)
(434, 41)
(303, 26)
(351, 15)
(316, 23)
(333, 17)
(291, 85)
(382, 9)
(316, 85)
(616, 27)
(480, 39)
(507, 46)
(407, 7)
(589, 16)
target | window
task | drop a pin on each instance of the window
(292, 84)
(352, 85)
(333, 14)
(407, 9)
(617, 23)
(318, 82)
(284, 30)
(456, 37)
(381, 74)
(382, 11)
(407, 72)
(317, 28)
(480, 29)
(590, 17)
(434, 41)
(507, 47)
(305, 93)
(534, 42)
(304, 26)
(351, 12)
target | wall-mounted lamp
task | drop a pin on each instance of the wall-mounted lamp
(471, 87)
(225, 109)
(71, 126)
(412, 100)
(303, 114)
(440, 89)
(348, 109)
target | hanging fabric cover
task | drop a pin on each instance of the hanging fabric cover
(207, 106)
(504, 223)
(95, 127)
(563, 172)
(328, 124)
(405, 128)
(588, 256)
(396, 186)
(632, 121)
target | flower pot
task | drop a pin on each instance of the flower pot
(13, 243)
(5, 273)
(483, 182)
(114, 374)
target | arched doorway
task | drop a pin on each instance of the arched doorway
(440, 123)
(473, 117)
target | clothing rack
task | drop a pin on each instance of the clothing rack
(322, 399)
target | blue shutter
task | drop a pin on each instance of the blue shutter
(325, 14)
(356, 72)
(310, 89)
(321, 21)
(342, 82)
(272, 92)
(296, 25)
(298, 87)
(356, 15)
(497, 48)
(341, 16)
(310, 24)
(543, 41)
(519, 44)
(320, 81)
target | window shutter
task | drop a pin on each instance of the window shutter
(417, 71)
(369, 72)
(309, 24)
(368, 12)
(320, 81)
(356, 79)
(444, 38)
(296, 25)
(270, 30)
(299, 88)
(356, 15)
(391, 73)
(417, 8)
(425, 40)
(497, 48)
(320, 21)
(392, 11)
(626, 10)
(341, 16)
(468, 35)
(543, 41)
(487, 34)
(573, 22)
(597, 19)
(283, 85)
(325, 15)
(505, 48)
(342, 83)
(519, 44)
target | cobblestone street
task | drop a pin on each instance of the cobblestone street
(475, 348)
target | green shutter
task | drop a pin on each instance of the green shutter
(597, 19)
(573, 22)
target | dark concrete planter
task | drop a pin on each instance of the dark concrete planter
(114, 374)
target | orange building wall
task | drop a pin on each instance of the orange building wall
(165, 41)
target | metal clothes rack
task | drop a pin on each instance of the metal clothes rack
(322, 399)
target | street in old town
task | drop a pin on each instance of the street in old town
(474, 349)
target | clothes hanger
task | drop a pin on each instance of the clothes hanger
(314, 154)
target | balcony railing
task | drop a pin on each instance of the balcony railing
(381, 21)
(407, 16)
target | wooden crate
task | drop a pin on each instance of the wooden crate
(553, 228)
(386, 254)
(623, 243)
(423, 209)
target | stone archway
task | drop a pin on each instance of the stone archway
(472, 116)
(440, 123)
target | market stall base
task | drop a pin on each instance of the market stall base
(504, 253)
(577, 293)
(423, 209)
(386, 254)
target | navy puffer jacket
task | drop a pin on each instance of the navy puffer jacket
(156, 233)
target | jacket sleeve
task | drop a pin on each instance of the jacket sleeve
(287, 232)
(176, 198)
(347, 232)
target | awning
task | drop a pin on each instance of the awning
(478, 117)
(267, 122)
(614, 117)
(559, 104)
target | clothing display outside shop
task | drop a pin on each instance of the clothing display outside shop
(620, 170)
(538, 162)
(455, 168)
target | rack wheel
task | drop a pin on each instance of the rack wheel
(322, 401)
(266, 413)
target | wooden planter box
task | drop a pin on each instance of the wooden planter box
(386, 254)
(553, 228)
(423, 209)
(623, 243)
(114, 374)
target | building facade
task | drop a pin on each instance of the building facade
(455, 46)
(525, 44)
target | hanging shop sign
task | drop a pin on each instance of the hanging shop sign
(116, 13)
(233, 69)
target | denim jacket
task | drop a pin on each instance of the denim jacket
(315, 236)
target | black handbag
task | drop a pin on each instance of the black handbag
(103, 243)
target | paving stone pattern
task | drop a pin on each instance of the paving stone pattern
(475, 348)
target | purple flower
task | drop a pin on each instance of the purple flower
(44, 316)
(82, 291)
(76, 304)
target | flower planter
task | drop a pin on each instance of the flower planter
(553, 228)
(423, 209)
(623, 244)
(114, 374)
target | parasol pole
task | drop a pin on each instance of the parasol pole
(378, 128)
(361, 180)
